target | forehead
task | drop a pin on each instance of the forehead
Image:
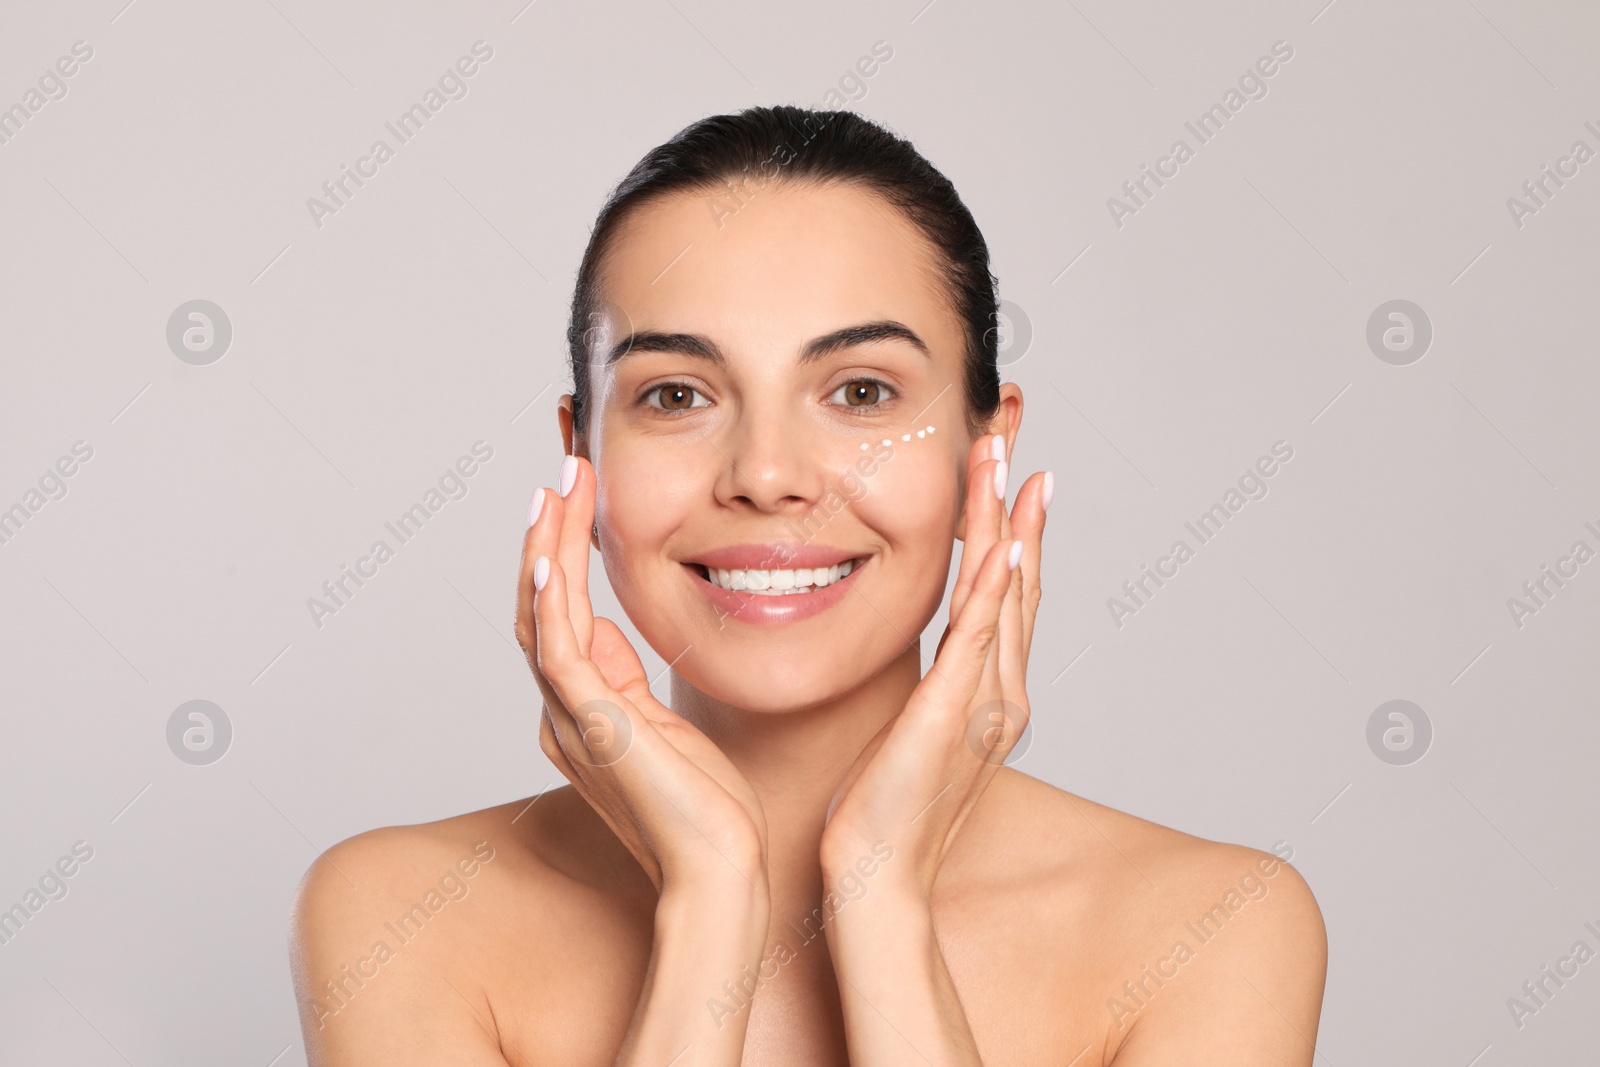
(795, 261)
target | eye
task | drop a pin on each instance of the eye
(674, 397)
(862, 393)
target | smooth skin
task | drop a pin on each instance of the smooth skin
(810, 818)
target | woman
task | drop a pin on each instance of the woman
(785, 411)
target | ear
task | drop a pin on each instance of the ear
(1006, 422)
(564, 421)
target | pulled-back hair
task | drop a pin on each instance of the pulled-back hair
(758, 145)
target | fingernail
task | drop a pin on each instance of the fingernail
(997, 447)
(1000, 471)
(537, 506)
(1016, 554)
(541, 572)
(1049, 489)
(569, 474)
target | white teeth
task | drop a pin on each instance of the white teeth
(771, 582)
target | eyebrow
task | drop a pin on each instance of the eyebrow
(691, 344)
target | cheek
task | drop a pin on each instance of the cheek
(912, 499)
(643, 494)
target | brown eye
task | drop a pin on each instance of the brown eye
(673, 396)
(861, 393)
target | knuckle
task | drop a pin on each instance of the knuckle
(984, 633)
(549, 745)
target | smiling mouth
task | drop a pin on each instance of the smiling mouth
(792, 581)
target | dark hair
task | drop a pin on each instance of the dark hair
(796, 144)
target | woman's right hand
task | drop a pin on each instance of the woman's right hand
(666, 790)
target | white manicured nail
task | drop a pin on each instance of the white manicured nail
(541, 572)
(536, 507)
(1000, 471)
(1016, 554)
(997, 447)
(1049, 490)
(569, 474)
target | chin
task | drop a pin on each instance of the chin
(776, 690)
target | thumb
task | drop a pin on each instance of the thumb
(623, 671)
(619, 664)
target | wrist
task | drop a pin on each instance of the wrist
(730, 904)
(873, 870)
(885, 915)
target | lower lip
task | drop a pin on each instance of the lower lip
(771, 610)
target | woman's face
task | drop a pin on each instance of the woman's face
(742, 440)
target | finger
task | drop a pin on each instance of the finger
(983, 515)
(535, 543)
(1022, 600)
(1033, 556)
(538, 544)
(982, 450)
(577, 491)
(547, 514)
(570, 680)
(550, 745)
(961, 664)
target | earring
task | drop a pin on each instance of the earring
(595, 529)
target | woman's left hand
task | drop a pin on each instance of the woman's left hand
(916, 781)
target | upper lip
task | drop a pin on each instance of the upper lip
(775, 556)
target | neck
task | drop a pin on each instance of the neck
(795, 760)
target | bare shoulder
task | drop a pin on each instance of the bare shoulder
(399, 935)
(377, 923)
(1213, 948)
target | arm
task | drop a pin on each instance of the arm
(1253, 1000)
(402, 1006)
(900, 1006)
(704, 936)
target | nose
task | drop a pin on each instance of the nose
(770, 463)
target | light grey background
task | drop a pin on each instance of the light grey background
(1167, 354)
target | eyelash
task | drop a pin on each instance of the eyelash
(654, 391)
